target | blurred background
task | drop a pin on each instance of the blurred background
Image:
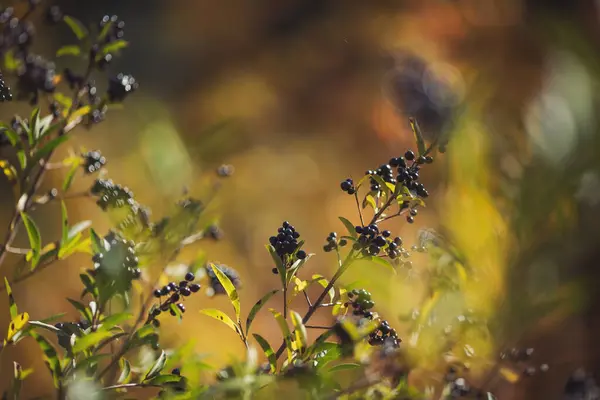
(301, 94)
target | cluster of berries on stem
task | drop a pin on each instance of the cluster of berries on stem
(361, 303)
(286, 244)
(172, 293)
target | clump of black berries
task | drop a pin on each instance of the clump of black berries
(93, 161)
(230, 273)
(371, 241)
(112, 29)
(214, 232)
(120, 86)
(286, 242)
(333, 242)
(171, 296)
(111, 194)
(348, 186)
(35, 75)
(5, 94)
(17, 34)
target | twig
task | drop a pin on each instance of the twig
(130, 386)
(362, 222)
(318, 327)
(307, 298)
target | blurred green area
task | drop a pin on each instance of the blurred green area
(293, 95)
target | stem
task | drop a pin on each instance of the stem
(38, 177)
(307, 298)
(130, 385)
(284, 301)
(318, 327)
(362, 222)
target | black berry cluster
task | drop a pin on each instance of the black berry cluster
(333, 242)
(361, 303)
(348, 186)
(35, 75)
(96, 103)
(286, 243)
(214, 283)
(93, 161)
(172, 293)
(120, 86)
(5, 94)
(111, 194)
(371, 241)
(67, 329)
(17, 34)
(113, 27)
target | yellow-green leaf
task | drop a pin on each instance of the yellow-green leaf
(35, 239)
(50, 356)
(69, 50)
(414, 125)
(285, 330)
(89, 340)
(12, 306)
(224, 318)
(16, 325)
(268, 350)
(349, 227)
(300, 331)
(232, 293)
(257, 307)
(76, 26)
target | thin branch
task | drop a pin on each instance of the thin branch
(16, 250)
(362, 222)
(307, 298)
(131, 386)
(318, 327)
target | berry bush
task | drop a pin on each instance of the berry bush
(114, 349)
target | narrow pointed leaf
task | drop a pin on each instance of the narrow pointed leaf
(224, 318)
(157, 367)
(414, 125)
(285, 330)
(50, 356)
(69, 50)
(35, 239)
(268, 350)
(125, 371)
(76, 27)
(12, 306)
(91, 339)
(229, 289)
(278, 264)
(343, 367)
(300, 331)
(257, 307)
(349, 227)
(65, 225)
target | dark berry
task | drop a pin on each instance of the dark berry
(275, 271)
(413, 212)
(189, 277)
(156, 323)
(301, 254)
(194, 287)
(428, 160)
(185, 291)
(174, 297)
(358, 229)
(343, 242)
(421, 160)
(181, 307)
(176, 371)
(410, 219)
(386, 233)
(157, 293)
(409, 155)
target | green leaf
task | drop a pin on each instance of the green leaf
(268, 350)
(65, 226)
(43, 127)
(324, 282)
(224, 318)
(383, 261)
(285, 330)
(91, 339)
(10, 134)
(89, 285)
(69, 50)
(414, 125)
(163, 379)
(105, 31)
(50, 356)
(125, 371)
(157, 367)
(90, 361)
(70, 176)
(78, 227)
(279, 264)
(44, 325)
(300, 331)
(33, 121)
(343, 367)
(325, 352)
(229, 289)
(257, 307)
(12, 306)
(114, 320)
(99, 244)
(76, 26)
(114, 47)
(349, 227)
(35, 239)
(83, 310)
(65, 101)
(49, 147)
(292, 271)
(22, 157)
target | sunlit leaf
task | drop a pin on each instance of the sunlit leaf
(300, 331)
(268, 350)
(115, 319)
(224, 318)
(349, 227)
(99, 244)
(16, 325)
(48, 147)
(278, 264)
(76, 26)
(383, 261)
(114, 47)
(69, 177)
(92, 360)
(83, 310)
(50, 356)
(12, 306)
(35, 239)
(69, 50)
(229, 289)
(125, 371)
(509, 374)
(89, 340)
(257, 307)
(157, 367)
(285, 330)
(414, 125)
(64, 225)
(324, 282)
